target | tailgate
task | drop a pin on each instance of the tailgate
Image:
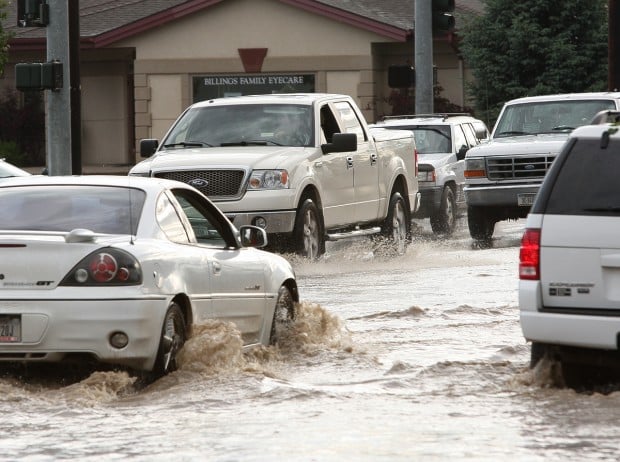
(580, 265)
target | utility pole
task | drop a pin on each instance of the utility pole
(423, 62)
(58, 103)
(60, 74)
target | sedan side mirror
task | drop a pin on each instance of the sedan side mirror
(252, 236)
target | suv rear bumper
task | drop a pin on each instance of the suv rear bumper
(493, 195)
(581, 330)
(575, 330)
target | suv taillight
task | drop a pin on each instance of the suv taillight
(529, 255)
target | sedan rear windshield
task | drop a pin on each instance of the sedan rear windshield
(108, 210)
(587, 183)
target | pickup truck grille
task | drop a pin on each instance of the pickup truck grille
(518, 168)
(221, 184)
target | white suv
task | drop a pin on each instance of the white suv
(442, 141)
(569, 270)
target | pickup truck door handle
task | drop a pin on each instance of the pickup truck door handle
(373, 158)
(349, 162)
(217, 268)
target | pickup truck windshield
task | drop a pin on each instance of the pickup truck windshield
(548, 117)
(243, 125)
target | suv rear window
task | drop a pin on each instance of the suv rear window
(429, 139)
(588, 181)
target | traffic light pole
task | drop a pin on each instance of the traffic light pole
(58, 103)
(423, 42)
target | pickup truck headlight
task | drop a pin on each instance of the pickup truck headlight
(475, 168)
(268, 179)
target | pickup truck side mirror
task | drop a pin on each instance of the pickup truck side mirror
(341, 142)
(148, 147)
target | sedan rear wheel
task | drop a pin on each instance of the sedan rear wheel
(173, 336)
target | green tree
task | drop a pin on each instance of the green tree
(534, 47)
(4, 36)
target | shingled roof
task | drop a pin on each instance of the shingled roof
(103, 22)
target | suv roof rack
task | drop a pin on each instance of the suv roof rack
(604, 117)
(443, 115)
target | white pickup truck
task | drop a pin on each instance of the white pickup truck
(503, 176)
(305, 167)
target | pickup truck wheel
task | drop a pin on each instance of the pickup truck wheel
(308, 233)
(481, 225)
(396, 227)
(444, 220)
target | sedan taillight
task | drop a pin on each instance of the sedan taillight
(105, 267)
(529, 255)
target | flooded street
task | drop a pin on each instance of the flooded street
(415, 358)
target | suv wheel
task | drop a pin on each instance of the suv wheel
(444, 220)
(481, 224)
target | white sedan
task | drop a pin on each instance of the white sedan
(9, 170)
(118, 269)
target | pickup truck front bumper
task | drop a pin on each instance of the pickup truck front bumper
(281, 221)
(501, 195)
(276, 207)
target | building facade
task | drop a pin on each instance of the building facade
(143, 62)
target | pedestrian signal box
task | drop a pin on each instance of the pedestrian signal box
(39, 76)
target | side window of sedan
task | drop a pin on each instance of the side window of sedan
(169, 221)
(204, 227)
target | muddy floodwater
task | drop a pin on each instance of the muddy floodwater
(419, 357)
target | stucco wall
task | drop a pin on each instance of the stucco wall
(208, 43)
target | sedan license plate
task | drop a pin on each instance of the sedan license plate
(525, 200)
(10, 329)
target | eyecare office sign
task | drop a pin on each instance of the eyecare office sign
(206, 87)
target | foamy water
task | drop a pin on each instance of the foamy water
(418, 357)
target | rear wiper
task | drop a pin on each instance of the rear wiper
(512, 132)
(188, 144)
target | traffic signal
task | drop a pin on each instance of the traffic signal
(401, 76)
(33, 13)
(443, 21)
(39, 76)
